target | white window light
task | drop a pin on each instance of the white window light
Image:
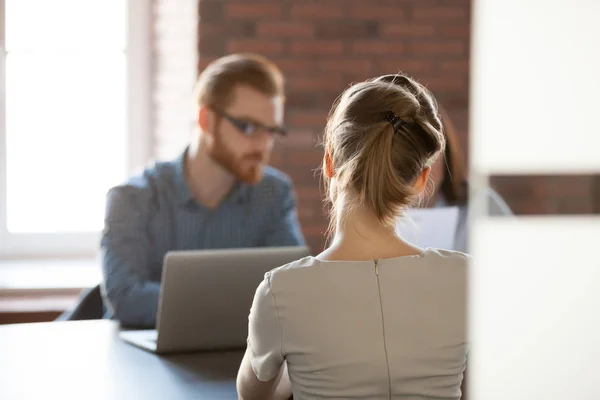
(74, 121)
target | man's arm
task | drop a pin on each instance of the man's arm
(125, 248)
(285, 229)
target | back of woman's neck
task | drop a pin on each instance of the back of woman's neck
(357, 239)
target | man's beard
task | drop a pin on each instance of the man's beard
(239, 167)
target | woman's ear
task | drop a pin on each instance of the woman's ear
(422, 179)
(328, 163)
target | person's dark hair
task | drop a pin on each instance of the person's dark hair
(380, 135)
(454, 186)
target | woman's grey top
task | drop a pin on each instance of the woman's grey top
(383, 329)
(496, 206)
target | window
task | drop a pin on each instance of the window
(74, 122)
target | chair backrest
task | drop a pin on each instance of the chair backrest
(90, 306)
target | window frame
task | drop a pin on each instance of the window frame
(139, 140)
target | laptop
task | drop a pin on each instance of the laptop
(430, 227)
(206, 297)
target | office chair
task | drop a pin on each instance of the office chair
(89, 306)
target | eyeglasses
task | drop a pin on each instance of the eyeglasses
(250, 128)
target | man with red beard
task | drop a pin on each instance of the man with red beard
(219, 193)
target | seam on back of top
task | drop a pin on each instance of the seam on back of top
(387, 360)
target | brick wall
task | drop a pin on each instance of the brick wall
(322, 46)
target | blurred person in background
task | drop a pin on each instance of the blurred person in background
(372, 316)
(450, 184)
(219, 193)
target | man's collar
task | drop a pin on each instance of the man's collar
(240, 193)
(182, 190)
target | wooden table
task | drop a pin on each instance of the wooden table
(87, 360)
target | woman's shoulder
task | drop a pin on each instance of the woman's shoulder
(434, 264)
(448, 254)
(443, 258)
(290, 267)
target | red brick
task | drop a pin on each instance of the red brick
(377, 47)
(243, 29)
(204, 61)
(304, 176)
(347, 29)
(451, 3)
(253, 9)
(317, 10)
(210, 11)
(309, 194)
(455, 66)
(276, 160)
(400, 30)
(363, 10)
(345, 65)
(306, 159)
(308, 118)
(325, 98)
(462, 31)
(316, 82)
(317, 47)
(442, 14)
(314, 230)
(285, 29)
(454, 101)
(262, 46)
(406, 65)
(211, 46)
(437, 48)
(436, 84)
(299, 100)
(353, 78)
(298, 139)
(316, 243)
(306, 212)
(294, 66)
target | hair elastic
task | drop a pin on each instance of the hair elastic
(395, 120)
